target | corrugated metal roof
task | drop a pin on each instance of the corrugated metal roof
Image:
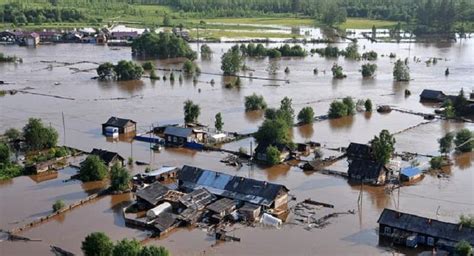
(178, 131)
(410, 171)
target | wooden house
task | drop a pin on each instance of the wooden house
(152, 195)
(222, 208)
(125, 126)
(359, 151)
(432, 96)
(180, 135)
(367, 171)
(109, 158)
(411, 230)
(250, 212)
(32, 39)
(261, 152)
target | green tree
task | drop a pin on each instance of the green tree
(58, 205)
(191, 112)
(337, 109)
(154, 251)
(106, 71)
(218, 123)
(350, 105)
(449, 111)
(163, 45)
(97, 244)
(306, 115)
(273, 155)
(13, 134)
(368, 105)
(119, 178)
(352, 51)
(286, 111)
(368, 70)
(460, 103)
(38, 137)
(255, 102)
(446, 143)
(383, 146)
(273, 132)
(189, 68)
(4, 154)
(153, 75)
(148, 65)
(463, 248)
(166, 21)
(464, 140)
(128, 70)
(467, 220)
(337, 72)
(127, 247)
(92, 169)
(333, 14)
(401, 71)
(232, 61)
(206, 51)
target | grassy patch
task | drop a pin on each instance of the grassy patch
(240, 34)
(366, 24)
(265, 21)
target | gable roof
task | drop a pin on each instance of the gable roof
(239, 188)
(178, 131)
(222, 205)
(410, 171)
(365, 169)
(118, 122)
(106, 156)
(428, 94)
(435, 228)
(153, 193)
(198, 199)
(358, 150)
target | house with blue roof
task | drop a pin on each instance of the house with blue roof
(410, 173)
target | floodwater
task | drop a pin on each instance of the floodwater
(87, 103)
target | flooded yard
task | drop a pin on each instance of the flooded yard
(87, 103)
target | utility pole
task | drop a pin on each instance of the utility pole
(197, 41)
(64, 130)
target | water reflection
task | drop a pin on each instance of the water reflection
(367, 115)
(131, 86)
(306, 131)
(464, 161)
(345, 122)
(277, 171)
(254, 116)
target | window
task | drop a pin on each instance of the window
(387, 230)
(430, 241)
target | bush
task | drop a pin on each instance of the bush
(189, 67)
(4, 154)
(337, 72)
(163, 45)
(232, 61)
(273, 155)
(58, 205)
(368, 70)
(13, 134)
(255, 102)
(436, 162)
(370, 56)
(467, 220)
(464, 140)
(368, 105)
(401, 71)
(92, 169)
(191, 112)
(124, 70)
(148, 65)
(337, 109)
(274, 53)
(127, 247)
(306, 115)
(10, 171)
(463, 248)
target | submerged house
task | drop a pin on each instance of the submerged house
(262, 193)
(359, 151)
(109, 158)
(411, 230)
(261, 152)
(152, 195)
(180, 135)
(367, 171)
(124, 126)
(32, 39)
(432, 96)
(410, 174)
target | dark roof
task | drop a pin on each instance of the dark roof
(249, 207)
(164, 221)
(235, 187)
(434, 95)
(197, 199)
(118, 122)
(106, 156)
(357, 150)
(153, 193)
(262, 147)
(423, 225)
(365, 169)
(222, 205)
(178, 131)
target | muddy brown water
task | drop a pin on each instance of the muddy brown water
(25, 198)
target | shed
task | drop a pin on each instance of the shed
(109, 158)
(154, 212)
(125, 126)
(410, 173)
(432, 96)
(178, 135)
(32, 39)
(222, 207)
(367, 171)
(251, 212)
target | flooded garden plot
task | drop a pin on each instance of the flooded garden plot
(88, 103)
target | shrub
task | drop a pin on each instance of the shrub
(255, 102)
(92, 169)
(436, 162)
(306, 115)
(273, 155)
(58, 205)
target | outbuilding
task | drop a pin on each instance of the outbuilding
(367, 171)
(410, 174)
(125, 126)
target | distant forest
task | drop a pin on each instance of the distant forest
(420, 16)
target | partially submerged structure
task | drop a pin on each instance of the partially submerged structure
(109, 158)
(411, 230)
(124, 126)
(410, 174)
(268, 195)
(367, 171)
(261, 152)
(176, 135)
(428, 95)
(359, 151)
